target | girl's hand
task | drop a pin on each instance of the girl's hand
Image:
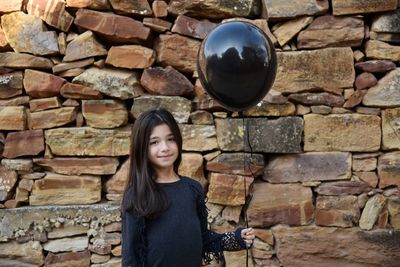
(248, 236)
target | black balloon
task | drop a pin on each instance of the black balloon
(236, 64)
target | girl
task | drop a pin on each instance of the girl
(164, 216)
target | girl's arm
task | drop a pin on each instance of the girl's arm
(132, 240)
(213, 243)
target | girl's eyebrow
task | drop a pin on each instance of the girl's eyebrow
(157, 137)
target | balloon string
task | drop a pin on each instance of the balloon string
(244, 182)
(246, 128)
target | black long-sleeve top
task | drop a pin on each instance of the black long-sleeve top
(179, 236)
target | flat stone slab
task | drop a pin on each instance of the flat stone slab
(344, 7)
(178, 106)
(214, 9)
(391, 129)
(12, 220)
(24, 61)
(331, 246)
(301, 71)
(311, 166)
(282, 135)
(81, 141)
(343, 132)
(284, 9)
(58, 189)
(389, 169)
(280, 204)
(385, 93)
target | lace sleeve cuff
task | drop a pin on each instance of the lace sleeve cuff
(232, 241)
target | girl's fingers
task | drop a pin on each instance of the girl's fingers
(247, 232)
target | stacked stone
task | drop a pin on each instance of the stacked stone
(315, 165)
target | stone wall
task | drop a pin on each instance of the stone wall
(324, 173)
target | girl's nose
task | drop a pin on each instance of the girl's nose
(164, 146)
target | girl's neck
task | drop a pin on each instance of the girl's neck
(166, 176)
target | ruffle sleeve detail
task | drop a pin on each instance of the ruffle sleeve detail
(213, 243)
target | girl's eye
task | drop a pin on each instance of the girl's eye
(153, 142)
(171, 139)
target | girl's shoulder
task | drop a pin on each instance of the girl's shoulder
(193, 183)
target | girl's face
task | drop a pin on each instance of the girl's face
(163, 150)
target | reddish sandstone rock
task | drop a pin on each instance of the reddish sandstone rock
(160, 8)
(8, 6)
(11, 84)
(312, 166)
(330, 246)
(390, 128)
(117, 83)
(44, 103)
(227, 189)
(107, 113)
(328, 31)
(12, 118)
(105, 25)
(39, 84)
(4, 45)
(57, 189)
(237, 163)
(365, 80)
(317, 99)
(215, 9)
(192, 166)
(52, 12)
(15, 101)
(27, 254)
(281, 203)
(89, 4)
(198, 137)
(355, 99)
(285, 31)
(178, 51)
(337, 211)
(68, 259)
(281, 10)
(72, 73)
(375, 49)
(376, 66)
(8, 179)
(77, 91)
(52, 118)
(78, 166)
(24, 143)
(156, 24)
(166, 81)
(84, 46)
(131, 56)
(342, 188)
(24, 61)
(343, 7)
(88, 141)
(192, 27)
(201, 117)
(389, 169)
(72, 65)
(384, 94)
(116, 184)
(127, 7)
(26, 33)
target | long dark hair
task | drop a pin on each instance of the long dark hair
(142, 194)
